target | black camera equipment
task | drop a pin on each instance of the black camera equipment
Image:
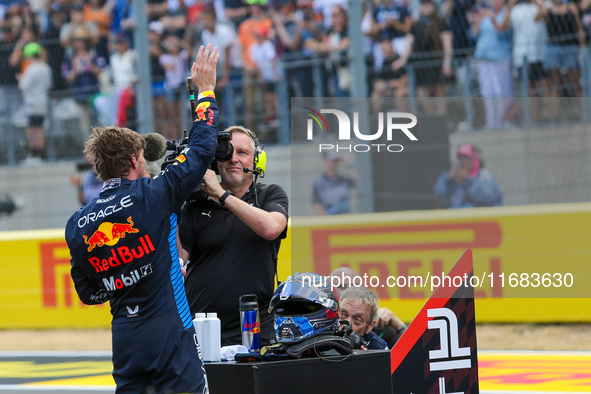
(82, 166)
(345, 331)
(157, 146)
(7, 205)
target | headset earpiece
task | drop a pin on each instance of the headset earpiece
(260, 156)
(260, 161)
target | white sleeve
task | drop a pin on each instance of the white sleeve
(49, 77)
(163, 59)
(23, 83)
(230, 36)
(533, 9)
(366, 22)
(271, 50)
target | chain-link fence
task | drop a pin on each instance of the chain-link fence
(283, 49)
(521, 71)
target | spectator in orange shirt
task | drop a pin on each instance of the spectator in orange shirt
(99, 13)
(246, 33)
(246, 36)
(264, 55)
(76, 21)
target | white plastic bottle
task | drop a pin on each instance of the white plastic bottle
(213, 337)
(199, 324)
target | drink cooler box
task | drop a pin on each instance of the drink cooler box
(364, 371)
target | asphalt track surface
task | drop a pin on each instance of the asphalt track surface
(502, 372)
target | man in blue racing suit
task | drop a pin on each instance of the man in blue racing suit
(123, 248)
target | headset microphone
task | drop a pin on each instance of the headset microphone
(256, 171)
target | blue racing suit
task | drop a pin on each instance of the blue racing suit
(123, 248)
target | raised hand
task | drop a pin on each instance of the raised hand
(203, 71)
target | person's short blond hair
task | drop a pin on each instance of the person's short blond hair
(248, 132)
(109, 149)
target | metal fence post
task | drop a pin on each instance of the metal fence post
(525, 92)
(586, 81)
(412, 89)
(284, 106)
(229, 102)
(317, 76)
(49, 133)
(144, 84)
(468, 95)
(10, 144)
(357, 64)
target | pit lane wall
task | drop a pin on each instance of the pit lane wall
(36, 290)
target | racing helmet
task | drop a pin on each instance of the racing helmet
(304, 306)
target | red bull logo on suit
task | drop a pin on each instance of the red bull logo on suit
(201, 110)
(123, 255)
(109, 234)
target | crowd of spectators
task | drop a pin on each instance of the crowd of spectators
(88, 45)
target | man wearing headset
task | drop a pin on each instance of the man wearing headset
(231, 238)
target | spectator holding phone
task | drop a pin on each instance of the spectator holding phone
(468, 183)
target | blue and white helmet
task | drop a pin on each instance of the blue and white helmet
(303, 306)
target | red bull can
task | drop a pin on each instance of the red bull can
(250, 323)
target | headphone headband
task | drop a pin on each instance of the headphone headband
(257, 145)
